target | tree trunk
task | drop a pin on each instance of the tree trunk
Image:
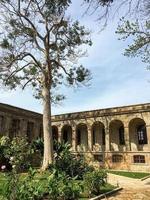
(47, 129)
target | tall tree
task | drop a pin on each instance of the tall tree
(40, 47)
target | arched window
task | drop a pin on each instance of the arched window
(55, 133)
(121, 136)
(78, 137)
(142, 134)
(65, 136)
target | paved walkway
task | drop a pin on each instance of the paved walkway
(131, 194)
(133, 189)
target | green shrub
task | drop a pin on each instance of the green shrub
(94, 180)
(72, 165)
(24, 188)
(61, 186)
(16, 152)
(30, 187)
(38, 146)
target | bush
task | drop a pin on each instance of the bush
(61, 186)
(16, 152)
(30, 187)
(72, 165)
(23, 188)
(38, 146)
(94, 180)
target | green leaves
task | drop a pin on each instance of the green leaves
(94, 181)
(140, 33)
(56, 7)
(41, 46)
(101, 2)
(5, 44)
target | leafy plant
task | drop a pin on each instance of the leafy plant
(72, 165)
(30, 187)
(61, 186)
(16, 151)
(38, 145)
(23, 188)
(94, 181)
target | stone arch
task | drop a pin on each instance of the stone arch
(81, 137)
(137, 134)
(98, 136)
(55, 133)
(67, 134)
(117, 137)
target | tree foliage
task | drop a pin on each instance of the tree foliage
(134, 23)
(33, 29)
(140, 34)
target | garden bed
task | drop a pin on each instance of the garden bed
(42, 177)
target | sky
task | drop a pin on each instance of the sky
(116, 80)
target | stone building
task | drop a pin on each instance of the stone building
(117, 138)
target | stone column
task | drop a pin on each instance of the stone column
(59, 133)
(148, 135)
(107, 139)
(89, 130)
(74, 138)
(127, 138)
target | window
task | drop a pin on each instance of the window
(41, 131)
(121, 136)
(117, 158)
(1, 123)
(93, 137)
(139, 159)
(55, 133)
(30, 128)
(103, 136)
(142, 134)
(78, 137)
(65, 136)
(15, 127)
(98, 158)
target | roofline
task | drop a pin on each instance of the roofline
(132, 105)
(14, 107)
(118, 107)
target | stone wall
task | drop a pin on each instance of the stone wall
(15, 121)
(108, 137)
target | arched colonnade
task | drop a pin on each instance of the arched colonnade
(99, 136)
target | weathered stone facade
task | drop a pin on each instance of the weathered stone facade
(117, 138)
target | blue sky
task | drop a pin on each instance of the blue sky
(117, 80)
